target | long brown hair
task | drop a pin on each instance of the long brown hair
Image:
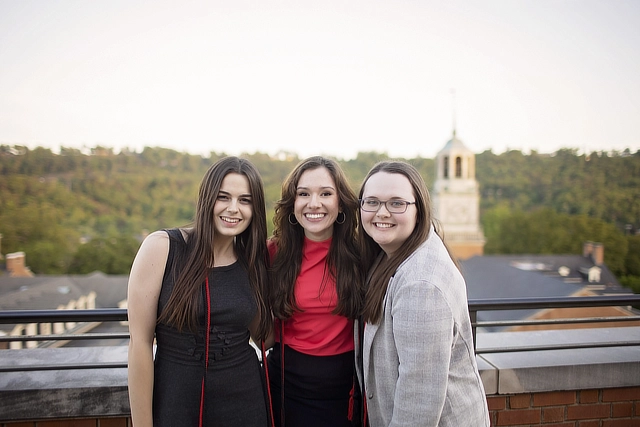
(250, 248)
(379, 277)
(343, 261)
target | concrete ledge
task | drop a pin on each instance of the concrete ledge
(31, 395)
(552, 370)
(64, 403)
(78, 393)
(488, 375)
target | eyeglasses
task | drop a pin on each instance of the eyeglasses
(393, 206)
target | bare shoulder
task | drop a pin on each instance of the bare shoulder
(151, 257)
(155, 243)
(157, 235)
(145, 284)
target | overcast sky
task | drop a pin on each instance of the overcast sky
(332, 77)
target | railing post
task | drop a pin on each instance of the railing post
(473, 315)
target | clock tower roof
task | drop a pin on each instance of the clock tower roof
(454, 145)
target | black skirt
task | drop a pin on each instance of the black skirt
(317, 389)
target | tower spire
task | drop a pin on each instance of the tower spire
(453, 110)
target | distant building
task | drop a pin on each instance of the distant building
(65, 292)
(16, 265)
(456, 199)
(536, 276)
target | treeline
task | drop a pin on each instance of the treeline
(74, 212)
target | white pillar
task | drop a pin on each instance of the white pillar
(91, 300)
(32, 329)
(16, 332)
(45, 328)
(71, 306)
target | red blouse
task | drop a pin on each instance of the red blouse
(315, 330)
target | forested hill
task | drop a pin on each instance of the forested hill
(50, 203)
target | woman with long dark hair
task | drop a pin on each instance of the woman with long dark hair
(418, 364)
(201, 293)
(316, 295)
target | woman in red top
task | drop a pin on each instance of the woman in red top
(317, 292)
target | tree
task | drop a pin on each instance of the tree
(536, 202)
(544, 231)
(112, 255)
(632, 261)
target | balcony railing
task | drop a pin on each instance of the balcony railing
(475, 306)
(88, 380)
(540, 303)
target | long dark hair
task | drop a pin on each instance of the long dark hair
(343, 261)
(250, 246)
(379, 278)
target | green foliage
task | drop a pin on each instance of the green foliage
(597, 185)
(544, 231)
(112, 255)
(529, 203)
(33, 219)
(632, 261)
(631, 282)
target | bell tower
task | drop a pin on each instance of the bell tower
(456, 199)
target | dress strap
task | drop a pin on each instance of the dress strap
(265, 365)
(206, 351)
(282, 373)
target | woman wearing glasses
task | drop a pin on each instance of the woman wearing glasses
(417, 362)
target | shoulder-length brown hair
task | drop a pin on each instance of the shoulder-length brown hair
(343, 261)
(250, 246)
(378, 279)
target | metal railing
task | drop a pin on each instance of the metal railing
(475, 306)
(63, 316)
(540, 303)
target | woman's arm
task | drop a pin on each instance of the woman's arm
(145, 282)
(253, 327)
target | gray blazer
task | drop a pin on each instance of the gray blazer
(419, 364)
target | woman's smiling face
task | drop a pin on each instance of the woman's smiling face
(389, 230)
(317, 203)
(233, 209)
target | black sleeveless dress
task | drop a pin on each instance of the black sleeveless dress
(234, 393)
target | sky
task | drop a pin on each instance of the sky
(332, 77)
